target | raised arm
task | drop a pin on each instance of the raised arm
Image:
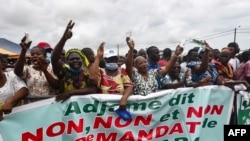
(18, 69)
(130, 57)
(55, 57)
(164, 70)
(204, 64)
(94, 69)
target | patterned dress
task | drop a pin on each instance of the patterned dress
(70, 81)
(145, 86)
(114, 84)
(36, 81)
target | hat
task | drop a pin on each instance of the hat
(110, 53)
(44, 45)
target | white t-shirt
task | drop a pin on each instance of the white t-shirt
(12, 85)
(235, 62)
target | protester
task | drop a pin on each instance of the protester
(112, 79)
(243, 72)
(224, 68)
(153, 57)
(198, 67)
(62, 58)
(39, 75)
(122, 61)
(12, 90)
(175, 78)
(142, 52)
(89, 53)
(73, 77)
(146, 81)
(234, 49)
(167, 53)
(48, 50)
(211, 68)
(216, 55)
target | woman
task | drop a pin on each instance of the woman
(144, 80)
(73, 77)
(39, 75)
(12, 90)
(112, 79)
(224, 68)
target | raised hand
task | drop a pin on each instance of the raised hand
(130, 43)
(178, 50)
(100, 50)
(25, 46)
(207, 47)
(68, 31)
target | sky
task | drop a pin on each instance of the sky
(161, 23)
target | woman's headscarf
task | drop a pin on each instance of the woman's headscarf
(85, 61)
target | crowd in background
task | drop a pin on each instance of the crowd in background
(56, 72)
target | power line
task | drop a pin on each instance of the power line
(206, 37)
(218, 36)
(215, 34)
(243, 32)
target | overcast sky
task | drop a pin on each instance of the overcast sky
(162, 23)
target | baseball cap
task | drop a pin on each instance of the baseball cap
(44, 45)
(109, 53)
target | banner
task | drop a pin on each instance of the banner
(243, 107)
(183, 114)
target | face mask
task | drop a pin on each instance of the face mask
(74, 71)
(111, 66)
(48, 57)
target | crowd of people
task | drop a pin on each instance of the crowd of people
(60, 73)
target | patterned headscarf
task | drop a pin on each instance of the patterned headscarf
(85, 61)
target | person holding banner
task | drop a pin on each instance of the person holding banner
(144, 80)
(112, 79)
(225, 69)
(73, 76)
(12, 90)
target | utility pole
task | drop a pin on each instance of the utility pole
(235, 33)
(118, 51)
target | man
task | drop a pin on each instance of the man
(234, 49)
(153, 57)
